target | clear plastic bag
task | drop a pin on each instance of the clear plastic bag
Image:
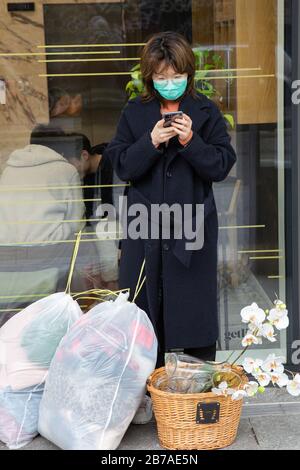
(19, 415)
(97, 378)
(28, 342)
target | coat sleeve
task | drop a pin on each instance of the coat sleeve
(211, 157)
(131, 159)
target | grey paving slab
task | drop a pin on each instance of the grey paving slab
(278, 429)
(245, 439)
(277, 433)
(141, 438)
(39, 443)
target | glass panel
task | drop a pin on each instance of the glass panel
(76, 85)
(249, 38)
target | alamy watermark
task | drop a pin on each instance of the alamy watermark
(296, 94)
(296, 352)
(154, 222)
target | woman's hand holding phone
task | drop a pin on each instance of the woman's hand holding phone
(183, 127)
(161, 134)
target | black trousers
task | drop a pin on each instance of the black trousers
(206, 353)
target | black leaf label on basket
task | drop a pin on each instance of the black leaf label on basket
(208, 413)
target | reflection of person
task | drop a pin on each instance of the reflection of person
(41, 210)
(41, 202)
(62, 103)
(45, 188)
(96, 170)
(102, 176)
(178, 164)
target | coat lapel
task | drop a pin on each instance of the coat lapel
(197, 110)
(151, 114)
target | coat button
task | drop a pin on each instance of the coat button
(169, 174)
(166, 247)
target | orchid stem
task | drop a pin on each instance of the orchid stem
(240, 355)
(245, 349)
(229, 357)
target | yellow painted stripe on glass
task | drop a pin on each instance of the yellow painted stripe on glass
(88, 233)
(258, 251)
(127, 44)
(16, 54)
(44, 188)
(33, 222)
(10, 309)
(90, 74)
(99, 74)
(33, 201)
(106, 59)
(242, 69)
(265, 257)
(241, 76)
(232, 227)
(96, 220)
(53, 242)
(27, 296)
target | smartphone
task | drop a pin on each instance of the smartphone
(170, 117)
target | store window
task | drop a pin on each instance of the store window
(63, 73)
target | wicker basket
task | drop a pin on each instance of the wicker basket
(200, 421)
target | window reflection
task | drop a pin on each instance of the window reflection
(54, 177)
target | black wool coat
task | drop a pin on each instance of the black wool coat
(182, 175)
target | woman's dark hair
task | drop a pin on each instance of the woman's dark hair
(173, 49)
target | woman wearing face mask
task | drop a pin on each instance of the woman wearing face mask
(173, 165)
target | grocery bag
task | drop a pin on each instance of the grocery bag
(97, 378)
(28, 342)
(19, 415)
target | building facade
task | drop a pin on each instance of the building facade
(65, 65)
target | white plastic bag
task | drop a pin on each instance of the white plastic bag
(97, 378)
(28, 342)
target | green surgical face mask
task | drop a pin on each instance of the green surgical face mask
(171, 89)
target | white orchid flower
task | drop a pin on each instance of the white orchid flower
(279, 379)
(251, 389)
(252, 327)
(250, 339)
(239, 395)
(268, 332)
(222, 389)
(280, 305)
(252, 365)
(273, 364)
(279, 318)
(293, 387)
(255, 329)
(253, 314)
(263, 378)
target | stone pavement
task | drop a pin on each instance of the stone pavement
(270, 422)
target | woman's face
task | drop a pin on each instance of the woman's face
(170, 84)
(167, 73)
